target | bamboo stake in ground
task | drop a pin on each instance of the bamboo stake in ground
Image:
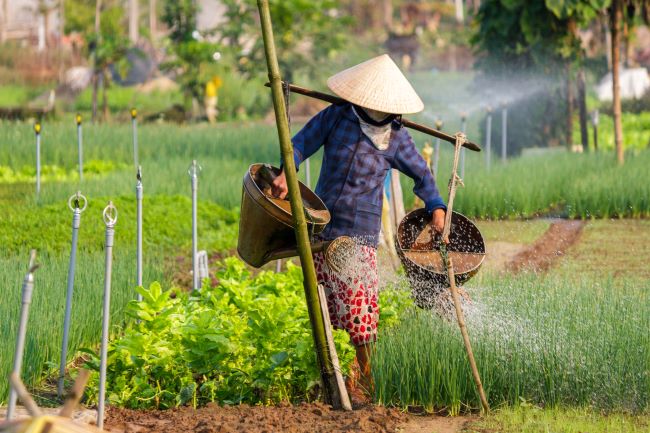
(453, 183)
(331, 390)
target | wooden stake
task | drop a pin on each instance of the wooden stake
(24, 395)
(75, 394)
(340, 383)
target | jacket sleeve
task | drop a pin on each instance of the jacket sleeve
(409, 161)
(313, 135)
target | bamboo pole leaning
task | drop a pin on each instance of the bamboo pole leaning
(447, 260)
(332, 392)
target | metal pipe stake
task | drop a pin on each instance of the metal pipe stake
(463, 128)
(27, 290)
(436, 151)
(488, 138)
(74, 203)
(138, 254)
(110, 218)
(307, 174)
(193, 171)
(37, 130)
(504, 133)
(80, 146)
(134, 129)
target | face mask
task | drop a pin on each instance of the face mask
(375, 125)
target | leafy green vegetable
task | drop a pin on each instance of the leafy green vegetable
(247, 339)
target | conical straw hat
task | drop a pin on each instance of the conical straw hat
(377, 84)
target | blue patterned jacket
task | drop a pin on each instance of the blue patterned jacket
(352, 174)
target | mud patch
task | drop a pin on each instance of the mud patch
(314, 417)
(546, 250)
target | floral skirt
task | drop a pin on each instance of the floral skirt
(352, 298)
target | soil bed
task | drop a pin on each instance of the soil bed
(314, 417)
(546, 250)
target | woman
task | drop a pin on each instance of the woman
(362, 140)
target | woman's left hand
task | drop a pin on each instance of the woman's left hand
(438, 220)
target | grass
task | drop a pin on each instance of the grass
(611, 250)
(571, 185)
(166, 235)
(516, 232)
(558, 184)
(526, 418)
(44, 334)
(636, 132)
(17, 95)
(165, 152)
(550, 341)
(121, 99)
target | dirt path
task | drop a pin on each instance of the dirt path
(546, 250)
(436, 424)
(312, 418)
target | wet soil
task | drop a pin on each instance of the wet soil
(314, 417)
(549, 248)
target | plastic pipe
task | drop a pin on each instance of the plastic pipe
(110, 218)
(74, 203)
(27, 290)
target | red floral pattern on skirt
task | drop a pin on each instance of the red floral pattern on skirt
(352, 299)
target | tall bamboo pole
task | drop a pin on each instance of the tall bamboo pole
(300, 224)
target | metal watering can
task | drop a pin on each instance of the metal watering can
(419, 250)
(266, 231)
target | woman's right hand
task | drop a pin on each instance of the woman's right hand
(279, 186)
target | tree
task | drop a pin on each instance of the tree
(308, 34)
(539, 37)
(616, 16)
(632, 9)
(190, 51)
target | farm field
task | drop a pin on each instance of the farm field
(575, 337)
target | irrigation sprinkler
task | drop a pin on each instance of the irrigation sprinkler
(436, 150)
(37, 131)
(193, 171)
(463, 128)
(110, 218)
(488, 137)
(447, 260)
(75, 205)
(80, 146)
(594, 123)
(504, 132)
(134, 129)
(138, 248)
(28, 288)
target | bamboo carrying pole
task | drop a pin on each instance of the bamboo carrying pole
(405, 122)
(331, 390)
(453, 183)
